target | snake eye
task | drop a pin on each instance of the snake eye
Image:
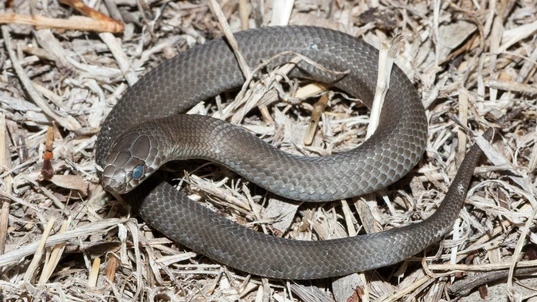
(138, 172)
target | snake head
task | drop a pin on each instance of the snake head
(132, 158)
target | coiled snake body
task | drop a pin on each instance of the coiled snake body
(210, 69)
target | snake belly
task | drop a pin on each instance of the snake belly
(150, 114)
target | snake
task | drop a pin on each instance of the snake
(148, 127)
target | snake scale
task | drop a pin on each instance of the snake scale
(146, 128)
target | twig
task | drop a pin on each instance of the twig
(85, 230)
(5, 162)
(28, 276)
(465, 286)
(121, 58)
(73, 23)
(215, 8)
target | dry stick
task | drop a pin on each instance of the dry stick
(512, 86)
(215, 8)
(67, 121)
(111, 267)
(417, 284)
(461, 134)
(465, 286)
(88, 11)
(136, 244)
(347, 213)
(55, 256)
(113, 10)
(436, 17)
(54, 48)
(94, 273)
(72, 23)
(115, 47)
(15, 256)
(495, 40)
(244, 12)
(6, 165)
(383, 84)
(512, 36)
(121, 57)
(281, 12)
(484, 267)
(47, 171)
(39, 251)
(318, 109)
(108, 38)
(386, 60)
(518, 250)
(311, 90)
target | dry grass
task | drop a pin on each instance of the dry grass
(65, 239)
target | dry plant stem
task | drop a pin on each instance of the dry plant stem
(348, 218)
(516, 35)
(481, 267)
(39, 252)
(215, 8)
(72, 23)
(244, 12)
(51, 45)
(121, 57)
(281, 12)
(88, 11)
(463, 118)
(407, 290)
(311, 90)
(113, 10)
(318, 109)
(465, 286)
(111, 268)
(47, 171)
(133, 227)
(383, 84)
(94, 273)
(518, 250)
(385, 64)
(495, 39)
(89, 229)
(513, 86)
(55, 256)
(6, 165)
(66, 121)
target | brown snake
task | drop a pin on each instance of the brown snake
(145, 130)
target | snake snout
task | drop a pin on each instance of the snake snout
(113, 181)
(127, 164)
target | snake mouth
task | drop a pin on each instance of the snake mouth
(116, 188)
(114, 180)
(113, 186)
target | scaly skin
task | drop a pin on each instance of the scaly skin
(210, 69)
